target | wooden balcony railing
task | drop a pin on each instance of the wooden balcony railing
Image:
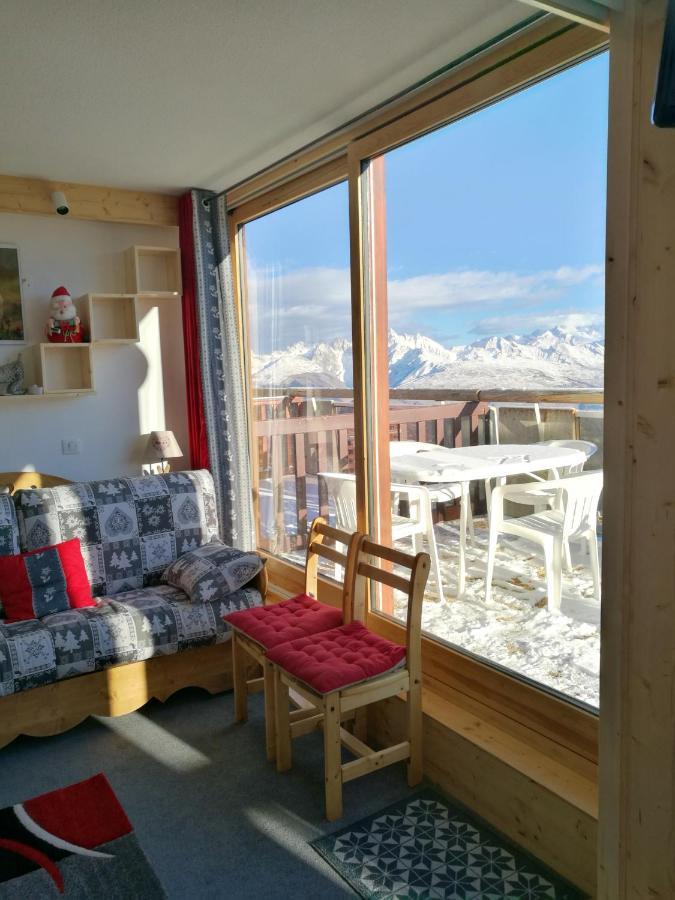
(301, 432)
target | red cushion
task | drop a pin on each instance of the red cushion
(44, 581)
(281, 622)
(335, 659)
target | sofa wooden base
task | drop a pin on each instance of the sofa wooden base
(57, 707)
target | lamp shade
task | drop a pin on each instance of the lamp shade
(162, 445)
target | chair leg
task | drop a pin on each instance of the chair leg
(239, 680)
(490, 567)
(270, 713)
(332, 756)
(415, 733)
(435, 562)
(595, 563)
(282, 725)
(568, 555)
(554, 557)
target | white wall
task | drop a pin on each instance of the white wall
(139, 387)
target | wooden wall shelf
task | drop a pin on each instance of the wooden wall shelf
(153, 271)
(110, 318)
(10, 398)
(66, 368)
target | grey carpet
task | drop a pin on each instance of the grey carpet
(213, 816)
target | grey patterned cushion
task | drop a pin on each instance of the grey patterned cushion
(212, 571)
(9, 528)
(129, 627)
(9, 532)
(130, 528)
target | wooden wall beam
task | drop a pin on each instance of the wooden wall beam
(88, 201)
(637, 672)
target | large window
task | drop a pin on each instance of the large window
(299, 326)
(465, 248)
(495, 268)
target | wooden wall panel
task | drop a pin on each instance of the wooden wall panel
(87, 201)
(637, 693)
(559, 833)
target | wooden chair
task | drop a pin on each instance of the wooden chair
(328, 709)
(246, 650)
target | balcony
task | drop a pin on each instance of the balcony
(301, 433)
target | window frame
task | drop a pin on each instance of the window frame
(536, 52)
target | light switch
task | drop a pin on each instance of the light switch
(71, 446)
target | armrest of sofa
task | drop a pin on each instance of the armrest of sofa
(259, 582)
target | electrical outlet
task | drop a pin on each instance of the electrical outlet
(71, 446)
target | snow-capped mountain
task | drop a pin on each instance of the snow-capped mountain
(553, 358)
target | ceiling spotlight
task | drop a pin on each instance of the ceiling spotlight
(60, 203)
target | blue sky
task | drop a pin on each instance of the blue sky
(495, 225)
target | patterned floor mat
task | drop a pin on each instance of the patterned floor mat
(427, 847)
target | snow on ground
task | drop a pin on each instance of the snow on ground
(515, 630)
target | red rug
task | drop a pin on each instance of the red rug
(75, 843)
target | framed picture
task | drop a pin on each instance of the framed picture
(11, 310)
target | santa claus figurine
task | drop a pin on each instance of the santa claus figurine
(64, 324)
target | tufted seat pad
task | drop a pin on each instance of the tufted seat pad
(339, 658)
(297, 618)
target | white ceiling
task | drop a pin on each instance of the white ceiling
(166, 94)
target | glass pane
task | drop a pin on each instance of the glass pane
(495, 230)
(299, 325)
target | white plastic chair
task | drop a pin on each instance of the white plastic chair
(573, 517)
(588, 447)
(418, 524)
(543, 501)
(442, 492)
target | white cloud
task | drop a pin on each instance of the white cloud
(523, 323)
(460, 288)
(314, 303)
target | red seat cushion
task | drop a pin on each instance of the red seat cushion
(338, 658)
(41, 582)
(282, 622)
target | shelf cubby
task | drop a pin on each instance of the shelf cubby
(110, 318)
(153, 271)
(66, 368)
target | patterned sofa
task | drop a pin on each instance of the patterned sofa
(144, 638)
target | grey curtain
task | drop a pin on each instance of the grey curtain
(222, 383)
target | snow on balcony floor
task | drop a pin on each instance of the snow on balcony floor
(559, 650)
(516, 630)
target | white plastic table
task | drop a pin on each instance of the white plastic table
(429, 464)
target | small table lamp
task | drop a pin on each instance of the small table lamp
(162, 445)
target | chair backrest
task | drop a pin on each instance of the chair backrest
(411, 582)
(341, 489)
(317, 549)
(581, 498)
(586, 446)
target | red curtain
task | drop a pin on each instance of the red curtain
(199, 453)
